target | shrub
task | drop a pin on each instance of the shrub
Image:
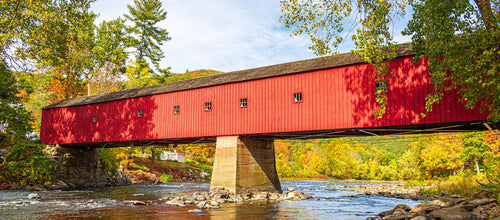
(463, 185)
(26, 165)
(167, 178)
(108, 159)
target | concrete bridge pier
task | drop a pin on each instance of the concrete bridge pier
(243, 164)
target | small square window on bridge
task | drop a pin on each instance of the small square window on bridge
(243, 102)
(208, 106)
(297, 97)
(139, 113)
(176, 109)
(94, 119)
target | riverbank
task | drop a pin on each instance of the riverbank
(481, 205)
(140, 172)
(477, 208)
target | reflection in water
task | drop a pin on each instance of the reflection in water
(255, 210)
(117, 203)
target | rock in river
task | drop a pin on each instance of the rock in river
(34, 196)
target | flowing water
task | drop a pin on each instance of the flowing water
(117, 203)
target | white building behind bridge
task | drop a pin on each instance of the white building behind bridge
(169, 155)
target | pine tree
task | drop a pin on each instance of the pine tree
(145, 36)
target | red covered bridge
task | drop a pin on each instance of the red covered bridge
(316, 98)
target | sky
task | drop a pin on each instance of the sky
(224, 35)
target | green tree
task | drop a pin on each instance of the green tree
(459, 38)
(468, 61)
(109, 56)
(138, 76)
(475, 149)
(146, 37)
(14, 118)
(34, 94)
(61, 43)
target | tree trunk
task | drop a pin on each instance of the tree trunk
(486, 13)
(477, 165)
(153, 149)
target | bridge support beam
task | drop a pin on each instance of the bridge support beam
(244, 164)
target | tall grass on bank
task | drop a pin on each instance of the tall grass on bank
(463, 185)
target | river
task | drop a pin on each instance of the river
(116, 203)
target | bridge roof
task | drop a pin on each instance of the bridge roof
(344, 59)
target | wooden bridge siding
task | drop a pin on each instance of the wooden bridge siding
(332, 99)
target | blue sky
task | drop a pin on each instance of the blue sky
(224, 35)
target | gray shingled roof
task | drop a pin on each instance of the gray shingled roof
(225, 78)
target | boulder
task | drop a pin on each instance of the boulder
(138, 203)
(452, 213)
(425, 207)
(491, 209)
(200, 198)
(274, 196)
(483, 194)
(261, 196)
(57, 185)
(439, 203)
(195, 211)
(175, 202)
(202, 205)
(399, 210)
(395, 217)
(477, 202)
(34, 196)
(239, 199)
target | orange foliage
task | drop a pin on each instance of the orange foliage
(65, 84)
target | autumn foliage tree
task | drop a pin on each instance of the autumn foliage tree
(61, 42)
(410, 157)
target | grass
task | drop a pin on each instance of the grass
(167, 178)
(464, 186)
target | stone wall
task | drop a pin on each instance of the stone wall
(80, 167)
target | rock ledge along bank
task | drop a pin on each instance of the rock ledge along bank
(213, 199)
(388, 190)
(463, 209)
(445, 207)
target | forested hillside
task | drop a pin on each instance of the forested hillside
(408, 157)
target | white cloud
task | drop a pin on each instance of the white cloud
(224, 35)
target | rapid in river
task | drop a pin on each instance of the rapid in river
(118, 203)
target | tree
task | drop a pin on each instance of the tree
(14, 119)
(146, 38)
(61, 43)
(109, 56)
(34, 94)
(492, 162)
(475, 149)
(456, 36)
(138, 76)
(468, 61)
